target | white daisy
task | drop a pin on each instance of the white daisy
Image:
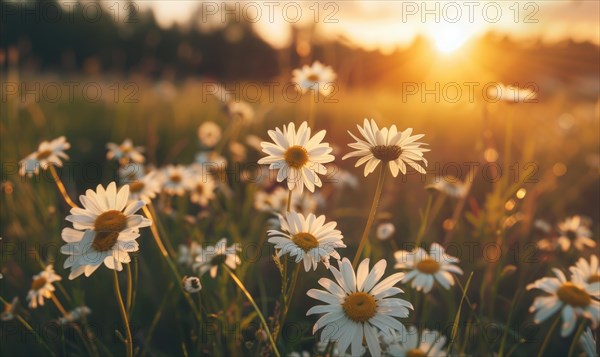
(359, 305)
(131, 172)
(570, 297)
(212, 257)
(427, 268)
(390, 146)
(309, 239)
(202, 189)
(105, 230)
(318, 78)
(450, 186)
(41, 287)
(174, 180)
(574, 230)
(125, 153)
(48, 153)
(385, 231)
(298, 156)
(431, 344)
(146, 187)
(209, 134)
(192, 284)
(587, 273)
(187, 254)
(588, 343)
(78, 313)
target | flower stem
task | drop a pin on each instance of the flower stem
(365, 235)
(287, 300)
(170, 262)
(289, 201)
(260, 315)
(59, 306)
(576, 338)
(61, 186)
(128, 339)
(311, 109)
(129, 290)
(548, 335)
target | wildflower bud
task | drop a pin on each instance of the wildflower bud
(385, 231)
(192, 284)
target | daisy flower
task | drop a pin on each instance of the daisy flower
(298, 156)
(431, 344)
(78, 313)
(202, 189)
(390, 146)
(41, 287)
(358, 305)
(131, 172)
(175, 178)
(427, 268)
(570, 297)
(48, 153)
(209, 134)
(587, 273)
(187, 254)
(146, 187)
(125, 152)
(309, 239)
(574, 230)
(385, 231)
(105, 230)
(212, 257)
(191, 284)
(318, 78)
(588, 344)
(450, 186)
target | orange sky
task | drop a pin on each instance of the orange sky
(385, 25)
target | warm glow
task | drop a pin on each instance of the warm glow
(449, 39)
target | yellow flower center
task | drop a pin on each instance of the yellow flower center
(386, 152)
(38, 283)
(296, 156)
(313, 77)
(107, 227)
(415, 352)
(176, 178)
(428, 266)
(594, 279)
(200, 188)
(572, 295)
(136, 187)
(306, 241)
(44, 154)
(360, 307)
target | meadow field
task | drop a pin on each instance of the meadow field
(176, 192)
